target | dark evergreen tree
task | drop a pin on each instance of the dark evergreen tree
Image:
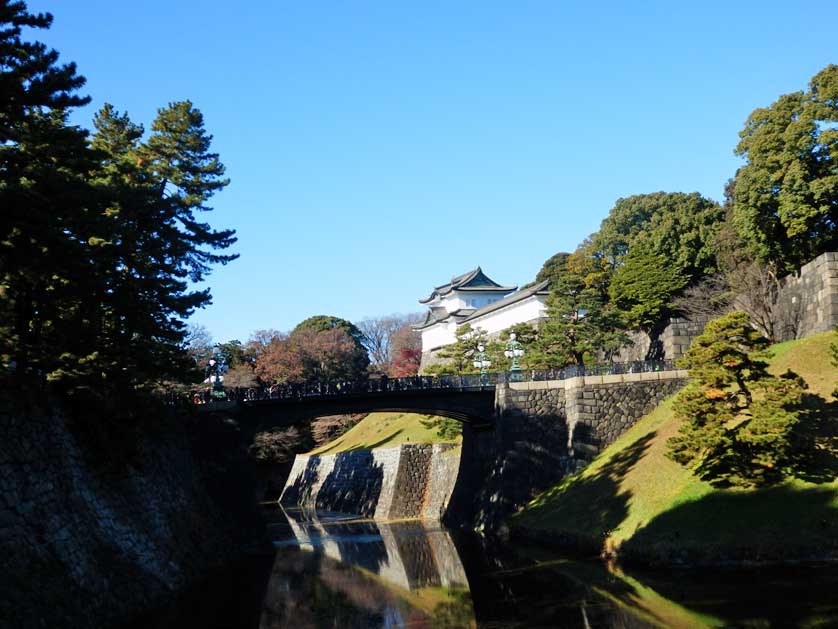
(155, 243)
(98, 243)
(45, 222)
(737, 420)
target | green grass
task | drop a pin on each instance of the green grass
(633, 500)
(383, 430)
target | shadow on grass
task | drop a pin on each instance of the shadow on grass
(372, 446)
(584, 510)
(817, 460)
(787, 522)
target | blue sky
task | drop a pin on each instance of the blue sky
(378, 148)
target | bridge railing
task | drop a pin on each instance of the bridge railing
(385, 385)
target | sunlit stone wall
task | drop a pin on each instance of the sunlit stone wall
(406, 481)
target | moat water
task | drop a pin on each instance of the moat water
(332, 571)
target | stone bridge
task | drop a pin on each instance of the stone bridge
(518, 437)
(470, 405)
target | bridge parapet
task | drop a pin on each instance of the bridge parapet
(412, 384)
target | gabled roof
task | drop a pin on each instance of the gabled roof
(433, 317)
(542, 288)
(474, 280)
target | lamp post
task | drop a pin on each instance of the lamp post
(514, 350)
(215, 378)
(481, 362)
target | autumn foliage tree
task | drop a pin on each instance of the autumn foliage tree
(405, 350)
(320, 352)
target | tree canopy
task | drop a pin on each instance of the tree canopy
(643, 286)
(357, 358)
(678, 226)
(785, 198)
(99, 239)
(580, 323)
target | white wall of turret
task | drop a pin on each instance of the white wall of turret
(524, 311)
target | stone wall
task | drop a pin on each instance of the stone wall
(601, 408)
(544, 431)
(810, 297)
(673, 341)
(445, 465)
(406, 481)
(89, 542)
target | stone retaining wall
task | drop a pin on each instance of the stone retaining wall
(544, 431)
(595, 410)
(406, 481)
(810, 297)
(89, 543)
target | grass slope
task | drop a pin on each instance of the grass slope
(634, 501)
(383, 430)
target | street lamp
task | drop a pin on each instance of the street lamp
(481, 362)
(514, 350)
(215, 378)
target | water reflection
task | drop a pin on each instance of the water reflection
(345, 573)
(331, 571)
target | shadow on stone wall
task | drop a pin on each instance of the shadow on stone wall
(300, 491)
(353, 485)
(502, 470)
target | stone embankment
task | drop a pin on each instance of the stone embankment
(594, 410)
(88, 542)
(543, 431)
(406, 481)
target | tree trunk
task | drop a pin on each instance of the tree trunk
(656, 351)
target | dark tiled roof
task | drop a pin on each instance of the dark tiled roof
(542, 288)
(433, 318)
(474, 280)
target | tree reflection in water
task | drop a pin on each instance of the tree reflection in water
(344, 573)
(331, 572)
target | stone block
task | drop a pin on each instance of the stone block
(612, 378)
(593, 380)
(572, 383)
(650, 376)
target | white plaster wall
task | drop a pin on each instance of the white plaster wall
(452, 302)
(438, 335)
(527, 310)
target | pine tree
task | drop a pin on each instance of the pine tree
(460, 354)
(580, 324)
(737, 421)
(154, 245)
(45, 218)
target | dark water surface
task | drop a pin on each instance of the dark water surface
(332, 571)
